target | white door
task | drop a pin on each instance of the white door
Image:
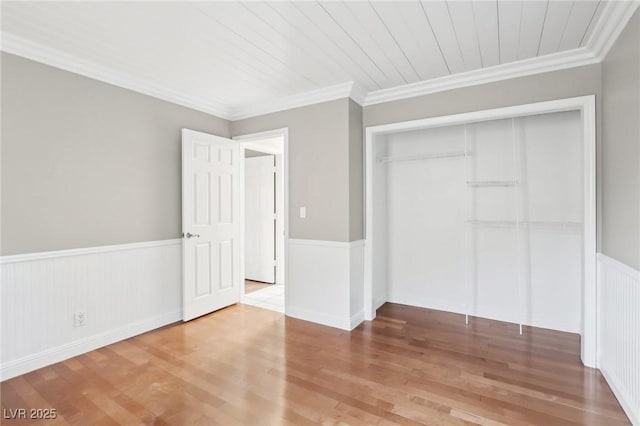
(260, 219)
(210, 223)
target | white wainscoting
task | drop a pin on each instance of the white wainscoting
(123, 290)
(619, 332)
(325, 282)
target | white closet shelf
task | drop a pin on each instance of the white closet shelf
(491, 183)
(527, 224)
(423, 157)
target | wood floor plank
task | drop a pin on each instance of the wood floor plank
(249, 366)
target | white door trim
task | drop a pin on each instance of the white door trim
(250, 141)
(584, 104)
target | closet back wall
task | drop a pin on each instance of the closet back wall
(487, 219)
(85, 163)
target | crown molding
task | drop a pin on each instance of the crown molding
(556, 61)
(611, 23)
(358, 93)
(614, 19)
(36, 52)
(325, 94)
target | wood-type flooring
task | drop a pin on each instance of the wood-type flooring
(249, 366)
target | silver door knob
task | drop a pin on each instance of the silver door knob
(190, 235)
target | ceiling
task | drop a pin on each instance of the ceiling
(236, 59)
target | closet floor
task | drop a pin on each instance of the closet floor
(244, 365)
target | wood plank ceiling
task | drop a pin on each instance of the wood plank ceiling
(236, 54)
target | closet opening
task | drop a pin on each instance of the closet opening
(487, 214)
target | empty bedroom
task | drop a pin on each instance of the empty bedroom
(320, 212)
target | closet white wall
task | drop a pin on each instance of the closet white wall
(484, 219)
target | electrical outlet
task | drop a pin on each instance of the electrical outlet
(78, 319)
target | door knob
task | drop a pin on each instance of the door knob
(190, 235)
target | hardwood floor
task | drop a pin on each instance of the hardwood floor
(246, 365)
(251, 286)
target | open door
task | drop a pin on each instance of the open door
(260, 219)
(210, 223)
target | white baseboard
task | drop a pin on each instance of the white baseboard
(343, 323)
(122, 290)
(378, 303)
(79, 347)
(356, 320)
(632, 411)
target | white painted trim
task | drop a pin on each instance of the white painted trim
(251, 141)
(358, 93)
(630, 410)
(614, 18)
(56, 58)
(321, 318)
(79, 347)
(356, 319)
(256, 146)
(325, 94)
(612, 22)
(326, 243)
(622, 267)
(267, 134)
(589, 333)
(89, 250)
(584, 104)
(554, 62)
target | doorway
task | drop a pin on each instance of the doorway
(263, 187)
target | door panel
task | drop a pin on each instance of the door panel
(260, 219)
(210, 223)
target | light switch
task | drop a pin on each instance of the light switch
(303, 212)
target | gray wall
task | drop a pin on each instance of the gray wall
(318, 166)
(356, 172)
(567, 83)
(536, 88)
(86, 163)
(99, 165)
(621, 147)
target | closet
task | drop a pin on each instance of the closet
(483, 218)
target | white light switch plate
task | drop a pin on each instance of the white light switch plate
(303, 212)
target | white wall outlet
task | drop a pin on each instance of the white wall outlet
(78, 319)
(303, 212)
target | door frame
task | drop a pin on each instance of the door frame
(584, 104)
(250, 141)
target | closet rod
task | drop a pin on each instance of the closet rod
(491, 183)
(422, 157)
